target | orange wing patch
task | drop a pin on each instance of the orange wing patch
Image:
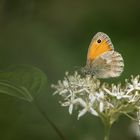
(96, 49)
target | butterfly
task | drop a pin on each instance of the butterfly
(102, 60)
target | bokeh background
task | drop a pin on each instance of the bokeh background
(54, 36)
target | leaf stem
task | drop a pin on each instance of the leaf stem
(44, 114)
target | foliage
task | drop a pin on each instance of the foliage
(22, 81)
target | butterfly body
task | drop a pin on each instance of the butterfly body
(102, 60)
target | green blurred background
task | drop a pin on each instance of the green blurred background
(54, 35)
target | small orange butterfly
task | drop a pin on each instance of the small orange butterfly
(102, 60)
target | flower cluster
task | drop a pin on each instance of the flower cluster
(88, 94)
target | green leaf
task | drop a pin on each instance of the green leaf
(22, 81)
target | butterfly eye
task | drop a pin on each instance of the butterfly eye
(99, 40)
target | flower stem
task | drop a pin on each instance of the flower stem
(107, 127)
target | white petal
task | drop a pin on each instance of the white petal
(82, 112)
(138, 88)
(65, 83)
(101, 107)
(107, 91)
(70, 108)
(138, 84)
(92, 98)
(101, 94)
(81, 101)
(93, 112)
(119, 96)
(63, 91)
(56, 92)
(65, 104)
(130, 90)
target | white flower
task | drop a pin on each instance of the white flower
(134, 85)
(101, 99)
(87, 107)
(88, 94)
(134, 97)
(116, 91)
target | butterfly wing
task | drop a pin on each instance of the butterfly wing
(100, 44)
(109, 64)
(102, 60)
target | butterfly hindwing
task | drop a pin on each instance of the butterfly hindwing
(109, 64)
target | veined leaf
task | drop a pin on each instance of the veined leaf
(9, 88)
(22, 81)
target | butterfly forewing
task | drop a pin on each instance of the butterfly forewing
(99, 44)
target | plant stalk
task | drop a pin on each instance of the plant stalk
(44, 114)
(107, 128)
